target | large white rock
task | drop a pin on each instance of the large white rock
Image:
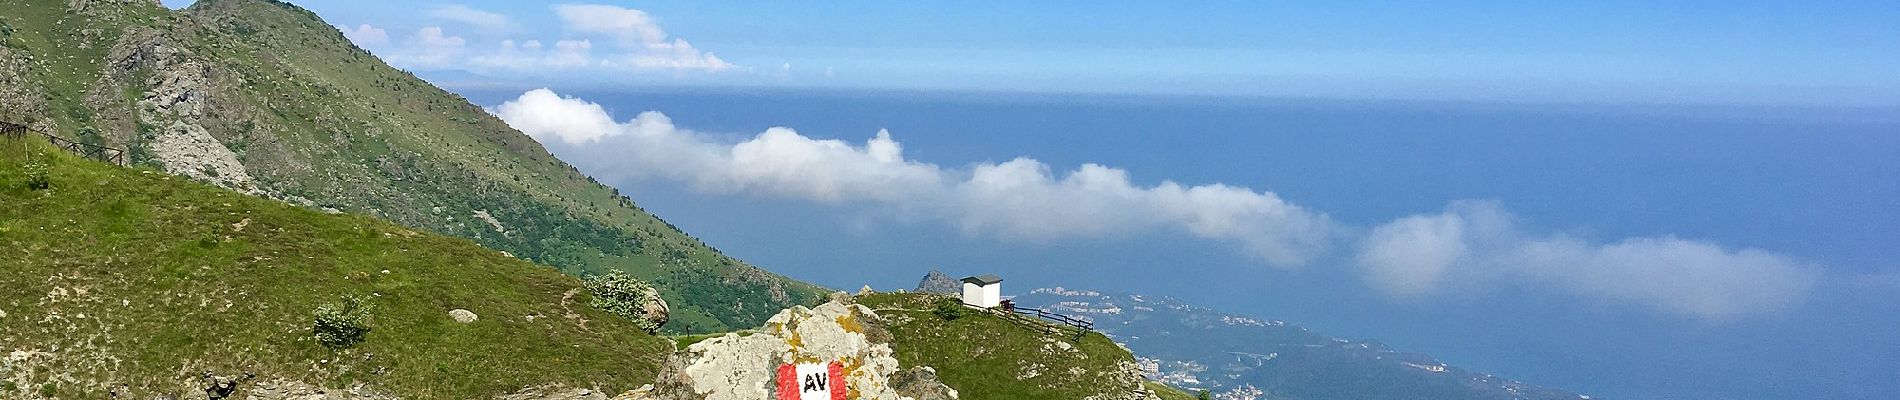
(462, 316)
(742, 366)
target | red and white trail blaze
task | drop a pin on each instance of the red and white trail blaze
(812, 381)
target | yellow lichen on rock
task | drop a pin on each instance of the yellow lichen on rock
(850, 324)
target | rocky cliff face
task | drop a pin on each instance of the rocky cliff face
(172, 109)
(24, 103)
(741, 366)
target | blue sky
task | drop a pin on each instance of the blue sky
(1836, 53)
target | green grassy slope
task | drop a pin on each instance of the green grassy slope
(321, 122)
(1166, 392)
(987, 357)
(131, 277)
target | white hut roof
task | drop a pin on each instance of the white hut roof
(984, 279)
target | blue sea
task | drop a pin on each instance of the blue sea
(1819, 184)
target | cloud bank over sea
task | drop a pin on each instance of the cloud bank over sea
(1472, 245)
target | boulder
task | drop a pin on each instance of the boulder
(620, 294)
(653, 308)
(920, 382)
(462, 316)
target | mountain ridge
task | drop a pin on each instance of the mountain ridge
(138, 284)
(264, 97)
(141, 284)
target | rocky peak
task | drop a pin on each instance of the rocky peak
(938, 283)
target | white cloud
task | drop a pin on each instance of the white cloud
(570, 53)
(629, 25)
(366, 36)
(1016, 200)
(643, 42)
(1411, 256)
(532, 55)
(546, 116)
(1474, 243)
(677, 54)
(777, 162)
(470, 16)
(1022, 199)
(430, 48)
(600, 38)
(432, 37)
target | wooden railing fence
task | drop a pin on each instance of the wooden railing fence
(1043, 320)
(1077, 323)
(88, 150)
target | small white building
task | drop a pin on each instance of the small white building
(984, 291)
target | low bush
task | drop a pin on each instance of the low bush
(949, 310)
(343, 324)
(37, 174)
(620, 294)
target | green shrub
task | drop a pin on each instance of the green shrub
(343, 324)
(620, 294)
(949, 310)
(37, 174)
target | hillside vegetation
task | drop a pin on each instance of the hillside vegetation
(265, 98)
(985, 356)
(136, 283)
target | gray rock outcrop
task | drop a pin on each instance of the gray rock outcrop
(568, 393)
(921, 383)
(281, 389)
(174, 106)
(219, 387)
(22, 100)
(742, 366)
(936, 282)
